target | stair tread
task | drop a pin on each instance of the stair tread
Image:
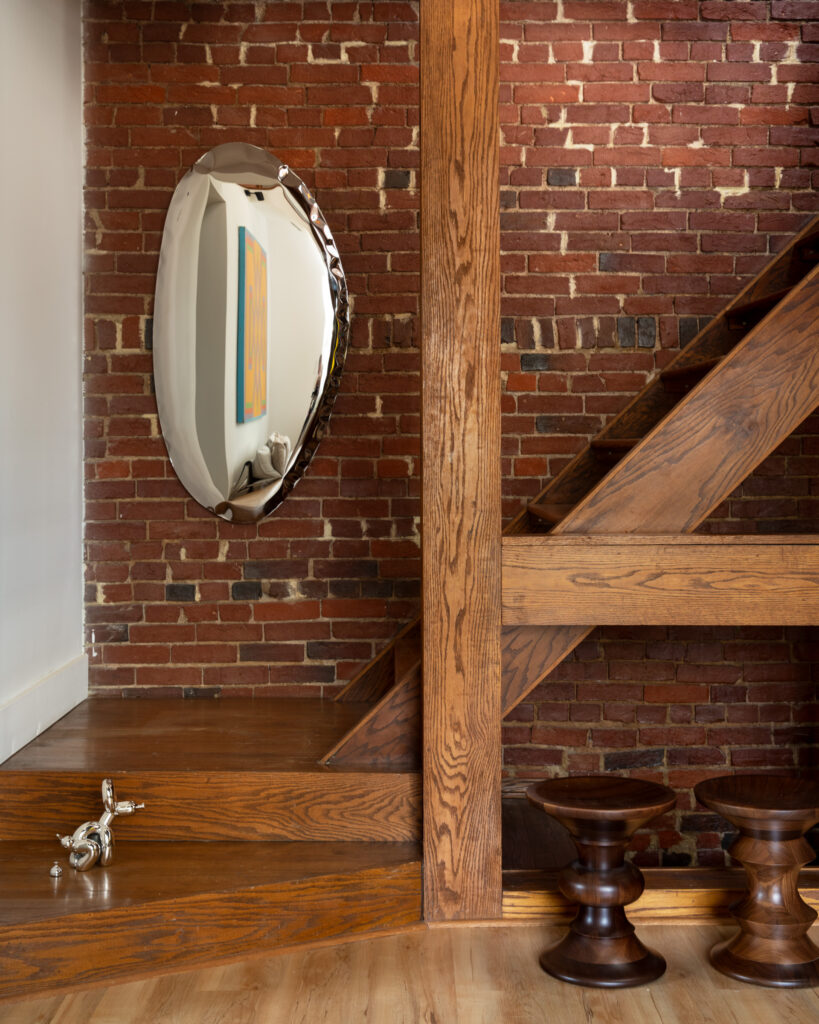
(149, 872)
(276, 734)
(614, 444)
(698, 369)
(166, 906)
(549, 512)
(759, 305)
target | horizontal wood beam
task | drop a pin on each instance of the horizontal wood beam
(681, 895)
(651, 580)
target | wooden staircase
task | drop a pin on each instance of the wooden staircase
(692, 435)
(246, 842)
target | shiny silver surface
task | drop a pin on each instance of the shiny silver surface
(236, 462)
(93, 841)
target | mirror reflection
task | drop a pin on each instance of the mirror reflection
(250, 330)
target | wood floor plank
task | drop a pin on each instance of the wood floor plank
(465, 974)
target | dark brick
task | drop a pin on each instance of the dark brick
(180, 592)
(201, 692)
(148, 334)
(626, 331)
(397, 179)
(675, 860)
(561, 176)
(534, 362)
(246, 590)
(633, 759)
(646, 331)
(689, 329)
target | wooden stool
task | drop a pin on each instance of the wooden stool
(772, 813)
(602, 813)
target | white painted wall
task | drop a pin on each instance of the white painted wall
(43, 671)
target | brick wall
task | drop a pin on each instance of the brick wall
(654, 155)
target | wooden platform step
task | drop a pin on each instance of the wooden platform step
(210, 770)
(678, 895)
(167, 905)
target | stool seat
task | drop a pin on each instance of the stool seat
(601, 798)
(772, 813)
(601, 812)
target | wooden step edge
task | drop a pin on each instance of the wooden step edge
(547, 512)
(807, 246)
(389, 735)
(684, 896)
(322, 805)
(749, 313)
(613, 444)
(102, 942)
(673, 374)
(378, 675)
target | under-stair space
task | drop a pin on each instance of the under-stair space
(661, 466)
(246, 842)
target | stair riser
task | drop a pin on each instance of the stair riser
(126, 943)
(302, 806)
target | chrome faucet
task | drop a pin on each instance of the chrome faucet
(94, 841)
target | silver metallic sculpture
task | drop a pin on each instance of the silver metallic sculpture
(94, 841)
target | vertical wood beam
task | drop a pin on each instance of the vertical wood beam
(460, 318)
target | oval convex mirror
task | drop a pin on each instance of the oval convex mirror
(250, 330)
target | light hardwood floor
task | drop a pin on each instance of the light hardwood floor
(463, 974)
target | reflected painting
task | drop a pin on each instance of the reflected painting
(251, 376)
(250, 330)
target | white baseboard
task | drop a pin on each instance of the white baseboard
(37, 707)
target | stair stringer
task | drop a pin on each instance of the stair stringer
(714, 438)
(530, 653)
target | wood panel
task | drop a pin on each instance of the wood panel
(375, 679)
(389, 735)
(460, 402)
(318, 805)
(678, 895)
(691, 460)
(168, 905)
(624, 579)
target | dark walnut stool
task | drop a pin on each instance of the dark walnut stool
(772, 813)
(602, 813)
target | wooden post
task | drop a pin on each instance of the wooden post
(460, 310)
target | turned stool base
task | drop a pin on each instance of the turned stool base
(758, 972)
(772, 812)
(618, 963)
(601, 813)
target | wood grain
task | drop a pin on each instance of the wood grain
(375, 678)
(684, 896)
(773, 813)
(460, 400)
(685, 580)
(108, 735)
(389, 735)
(319, 805)
(168, 905)
(469, 974)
